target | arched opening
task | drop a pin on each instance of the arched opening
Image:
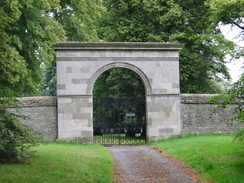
(119, 110)
(80, 64)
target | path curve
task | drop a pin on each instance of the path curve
(144, 164)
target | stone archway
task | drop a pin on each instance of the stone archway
(122, 65)
(80, 64)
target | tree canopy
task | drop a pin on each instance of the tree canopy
(119, 82)
(228, 12)
(202, 60)
(234, 95)
(29, 28)
(78, 19)
(26, 35)
(27, 32)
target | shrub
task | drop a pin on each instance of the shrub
(16, 139)
(233, 95)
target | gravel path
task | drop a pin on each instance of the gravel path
(134, 164)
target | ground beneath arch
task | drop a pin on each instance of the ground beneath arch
(144, 164)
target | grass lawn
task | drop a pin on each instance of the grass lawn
(216, 157)
(62, 162)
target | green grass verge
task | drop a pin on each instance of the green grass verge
(215, 157)
(62, 163)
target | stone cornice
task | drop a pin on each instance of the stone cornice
(117, 46)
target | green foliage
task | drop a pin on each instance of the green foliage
(12, 64)
(119, 82)
(202, 59)
(29, 28)
(228, 12)
(50, 80)
(78, 18)
(231, 96)
(111, 86)
(214, 156)
(239, 135)
(27, 31)
(16, 139)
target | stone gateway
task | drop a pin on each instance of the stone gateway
(80, 64)
(196, 115)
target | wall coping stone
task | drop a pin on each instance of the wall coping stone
(38, 101)
(195, 98)
(52, 100)
(199, 99)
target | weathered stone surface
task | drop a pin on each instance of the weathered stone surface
(42, 113)
(197, 116)
(38, 101)
(116, 46)
(80, 64)
(163, 116)
(75, 117)
(195, 112)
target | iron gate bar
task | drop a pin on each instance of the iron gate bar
(113, 127)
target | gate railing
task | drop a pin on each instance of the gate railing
(119, 121)
(120, 135)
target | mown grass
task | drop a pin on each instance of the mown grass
(62, 162)
(215, 157)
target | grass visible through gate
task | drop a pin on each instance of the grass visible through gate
(62, 163)
(216, 157)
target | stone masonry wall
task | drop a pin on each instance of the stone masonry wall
(42, 113)
(195, 115)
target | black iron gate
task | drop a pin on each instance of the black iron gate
(120, 121)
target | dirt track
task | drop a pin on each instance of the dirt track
(134, 164)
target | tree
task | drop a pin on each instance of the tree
(27, 32)
(79, 20)
(233, 95)
(12, 64)
(115, 83)
(16, 139)
(231, 13)
(202, 59)
(228, 12)
(50, 80)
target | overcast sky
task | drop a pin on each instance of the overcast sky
(235, 66)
